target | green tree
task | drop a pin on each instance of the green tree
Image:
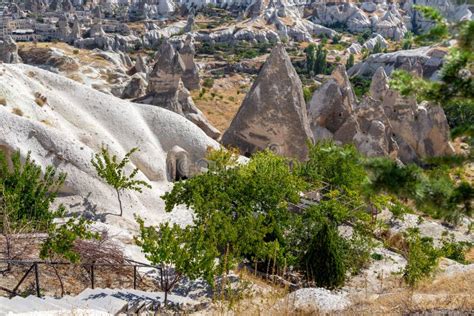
(324, 257)
(377, 48)
(27, 193)
(438, 32)
(422, 257)
(113, 172)
(407, 42)
(177, 252)
(333, 165)
(59, 245)
(316, 59)
(26, 196)
(242, 210)
(350, 61)
(310, 57)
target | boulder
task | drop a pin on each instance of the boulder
(377, 38)
(379, 85)
(255, 9)
(9, 51)
(391, 25)
(355, 48)
(424, 60)
(273, 113)
(76, 32)
(368, 7)
(331, 107)
(190, 75)
(140, 64)
(135, 88)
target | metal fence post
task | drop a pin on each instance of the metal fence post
(37, 281)
(134, 277)
(92, 275)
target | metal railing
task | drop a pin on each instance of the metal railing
(34, 266)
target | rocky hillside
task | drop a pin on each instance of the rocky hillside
(63, 123)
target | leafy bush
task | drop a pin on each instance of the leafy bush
(338, 166)
(350, 61)
(177, 252)
(208, 83)
(27, 193)
(422, 258)
(361, 86)
(454, 250)
(324, 257)
(336, 39)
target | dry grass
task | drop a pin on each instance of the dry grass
(85, 56)
(17, 111)
(220, 103)
(443, 293)
(76, 77)
(40, 99)
(74, 277)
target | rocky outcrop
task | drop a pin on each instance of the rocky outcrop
(9, 51)
(166, 89)
(76, 122)
(331, 109)
(382, 124)
(255, 9)
(76, 32)
(426, 61)
(140, 65)
(190, 75)
(273, 113)
(377, 39)
(135, 88)
(391, 25)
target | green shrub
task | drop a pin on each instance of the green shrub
(454, 250)
(27, 193)
(422, 258)
(324, 257)
(208, 83)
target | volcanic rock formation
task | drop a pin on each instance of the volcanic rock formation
(273, 113)
(166, 89)
(9, 51)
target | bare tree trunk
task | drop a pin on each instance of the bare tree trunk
(120, 201)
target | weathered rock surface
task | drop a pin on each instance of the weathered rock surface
(9, 51)
(190, 75)
(382, 124)
(372, 42)
(273, 113)
(76, 122)
(424, 60)
(135, 88)
(166, 89)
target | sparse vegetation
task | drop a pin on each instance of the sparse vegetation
(454, 90)
(17, 111)
(40, 99)
(208, 82)
(113, 172)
